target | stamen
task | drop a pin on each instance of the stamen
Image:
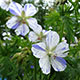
(24, 22)
(39, 38)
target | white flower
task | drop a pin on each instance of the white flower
(6, 33)
(37, 34)
(63, 39)
(75, 42)
(22, 18)
(4, 4)
(49, 2)
(35, 1)
(6, 36)
(51, 52)
(76, 39)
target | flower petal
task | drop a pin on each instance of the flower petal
(45, 65)
(4, 5)
(58, 63)
(34, 25)
(15, 9)
(22, 30)
(13, 23)
(61, 48)
(32, 36)
(52, 39)
(39, 50)
(45, 32)
(30, 10)
(37, 29)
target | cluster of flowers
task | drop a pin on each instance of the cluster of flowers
(47, 47)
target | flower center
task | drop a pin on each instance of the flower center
(51, 53)
(23, 18)
(40, 36)
(23, 14)
(8, 2)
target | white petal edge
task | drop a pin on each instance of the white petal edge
(4, 5)
(34, 25)
(22, 30)
(45, 65)
(37, 29)
(45, 32)
(32, 36)
(32, 22)
(61, 49)
(30, 10)
(15, 8)
(39, 50)
(58, 64)
(11, 22)
(52, 39)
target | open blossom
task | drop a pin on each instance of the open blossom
(51, 52)
(22, 18)
(38, 34)
(63, 39)
(6, 36)
(4, 4)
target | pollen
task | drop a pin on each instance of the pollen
(39, 38)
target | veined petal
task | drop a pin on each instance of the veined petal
(45, 32)
(39, 50)
(15, 9)
(34, 25)
(30, 10)
(32, 36)
(52, 39)
(45, 65)
(13, 23)
(22, 30)
(4, 4)
(61, 49)
(58, 63)
(32, 20)
(37, 29)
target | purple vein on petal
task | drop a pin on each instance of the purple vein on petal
(23, 30)
(29, 5)
(12, 11)
(37, 47)
(58, 69)
(25, 8)
(16, 6)
(61, 60)
(16, 25)
(63, 48)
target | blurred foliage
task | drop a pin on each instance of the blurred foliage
(16, 59)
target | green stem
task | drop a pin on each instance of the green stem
(76, 15)
(35, 70)
(62, 27)
(40, 75)
(19, 77)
